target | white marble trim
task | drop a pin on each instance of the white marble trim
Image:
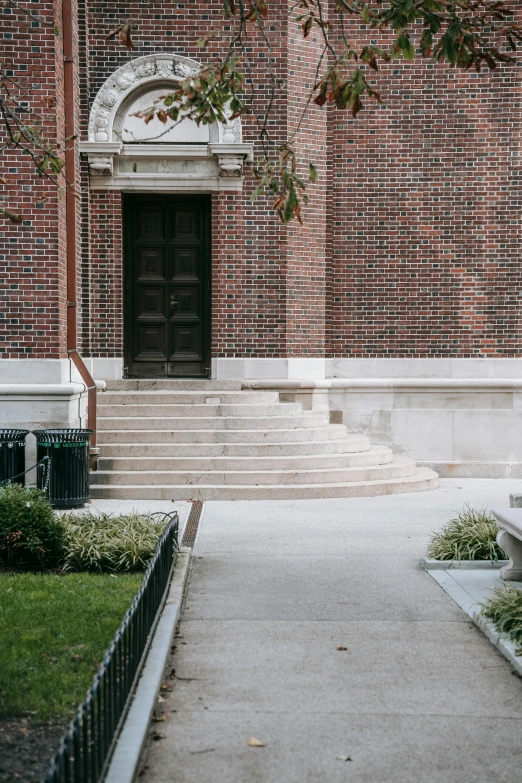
(389, 384)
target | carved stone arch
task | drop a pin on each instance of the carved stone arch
(214, 164)
(136, 74)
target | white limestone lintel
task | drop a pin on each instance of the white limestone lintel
(44, 391)
(29, 371)
(291, 368)
(105, 368)
(427, 368)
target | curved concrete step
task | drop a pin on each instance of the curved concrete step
(421, 480)
(159, 397)
(294, 435)
(195, 411)
(400, 467)
(376, 455)
(346, 445)
(304, 421)
(172, 384)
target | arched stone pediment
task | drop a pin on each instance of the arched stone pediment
(122, 156)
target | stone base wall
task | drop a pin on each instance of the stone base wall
(461, 417)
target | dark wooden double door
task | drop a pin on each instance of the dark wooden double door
(167, 286)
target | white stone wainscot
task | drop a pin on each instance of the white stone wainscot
(462, 418)
(40, 394)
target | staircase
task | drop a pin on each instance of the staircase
(209, 440)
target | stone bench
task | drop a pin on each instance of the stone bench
(509, 539)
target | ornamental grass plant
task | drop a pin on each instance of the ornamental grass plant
(504, 609)
(109, 542)
(470, 536)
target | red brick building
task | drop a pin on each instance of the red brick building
(397, 301)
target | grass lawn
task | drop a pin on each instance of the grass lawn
(53, 633)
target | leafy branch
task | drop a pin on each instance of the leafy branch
(463, 33)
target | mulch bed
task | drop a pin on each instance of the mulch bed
(26, 748)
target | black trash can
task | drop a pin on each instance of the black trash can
(12, 456)
(68, 451)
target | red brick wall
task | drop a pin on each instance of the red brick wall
(32, 254)
(425, 216)
(106, 274)
(306, 259)
(248, 263)
(411, 238)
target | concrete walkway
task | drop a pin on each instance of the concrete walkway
(419, 695)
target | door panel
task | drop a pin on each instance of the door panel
(186, 264)
(152, 343)
(151, 263)
(167, 286)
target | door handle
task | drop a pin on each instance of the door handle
(173, 302)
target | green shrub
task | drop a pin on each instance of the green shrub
(470, 536)
(108, 542)
(504, 609)
(31, 534)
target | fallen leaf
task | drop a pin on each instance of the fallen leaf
(252, 742)
(342, 648)
(157, 736)
(344, 758)
(161, 700)
(160, 718)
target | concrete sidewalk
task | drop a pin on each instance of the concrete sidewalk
(419, 695)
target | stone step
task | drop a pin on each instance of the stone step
(304, 421)
(291, 435)
(172, 384)
(186, 398)
(401, 467)
(421, 480)
(346, 445)
(200, 411)
(376, 455)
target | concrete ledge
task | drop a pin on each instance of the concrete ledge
(474, 611)
(379, 384)
(41, 389)
(493, 470)
(444, 565)
(130, 745)
(501, 641)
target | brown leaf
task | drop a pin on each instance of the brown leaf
(252, 742)
(12, 216)
(123, 32)
(341, 648)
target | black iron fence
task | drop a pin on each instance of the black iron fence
(84, 752)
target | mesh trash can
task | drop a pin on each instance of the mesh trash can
(12, 456)
(68, 451)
